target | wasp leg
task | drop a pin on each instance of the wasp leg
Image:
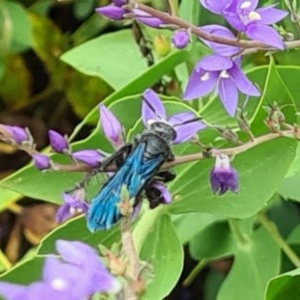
(115, 161)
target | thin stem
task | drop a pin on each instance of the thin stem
(4, 261)
(190, 157)
(194, 273)
(133, 260)
(171, 19)
(273, 231)
(235, 229)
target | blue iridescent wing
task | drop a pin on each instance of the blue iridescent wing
(134, 173)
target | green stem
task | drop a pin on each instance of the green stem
(197, 269)
(273, 231)
(4, 261)
(235, 229)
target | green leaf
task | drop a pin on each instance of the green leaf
(15, 29)
(192, 191)
(7, 197)
(189, 11)
(76, 229)
(32, 268)
(212, 242)
(83, 8)
(254, 264)
(101, 57)
(188, 225)
(284, 286)
(158, 244)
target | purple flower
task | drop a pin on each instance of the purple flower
(112, 12)
(224, 75)
(111, 127)
(68, 279)
(58, 142)
(89, 157)
(41, 161)
(223, 176)
(93, 275)
(73, 204)
(244, 16)
(18, 134)
(147, 19)
(180, 38)
(220, 49)
(153, 110)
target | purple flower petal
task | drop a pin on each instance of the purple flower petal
(265, 34)
(228, 95)
(111, 126)
(200, 83)
(152, 107)
(166, 197)
(221, 31)
(63, 213)
(41, 161)
(58, 142)
(242, 82)
(185, 132)
(13, 291)
(38, 290)
(270, 15)
(215, 6)
(215, 63)
(246, 6)
(72, 204)
(112, 12)
(180, 39)
(89, 157)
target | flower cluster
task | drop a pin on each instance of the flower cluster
(79, 274)
(220, 72)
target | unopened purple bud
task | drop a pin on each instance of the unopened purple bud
(119, 2)
(147, 19)
(58, 142)
(166, 197)
(41, 161)
(113, 12)
(89, 157)
(180, 39)
(19, 134)
(111, 126)
(223, 176)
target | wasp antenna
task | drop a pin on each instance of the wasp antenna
(188, 121)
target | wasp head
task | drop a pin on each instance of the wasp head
(164, 129)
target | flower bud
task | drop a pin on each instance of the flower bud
(18, 134)
(111, 126)
(147, 19)
(41, 161)
(180, 39)
(112, 12)
(58, 142)
(89, 157)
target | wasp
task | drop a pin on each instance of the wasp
(138, 165)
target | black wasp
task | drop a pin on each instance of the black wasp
(138, 165)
